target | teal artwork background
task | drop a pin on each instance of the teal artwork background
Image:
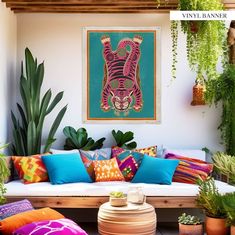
(96, 73)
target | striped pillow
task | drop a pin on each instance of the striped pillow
(190, 169)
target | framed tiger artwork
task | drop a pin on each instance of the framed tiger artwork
(121, 75)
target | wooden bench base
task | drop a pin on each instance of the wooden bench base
(95, 202)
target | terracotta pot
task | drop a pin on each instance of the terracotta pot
(185, 229)
(232, 230)
(216, 226)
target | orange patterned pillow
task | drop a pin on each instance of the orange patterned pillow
(107, 170)
(10, 224)
(31, 169)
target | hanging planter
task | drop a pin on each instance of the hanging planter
(205, 40)
(198, 94)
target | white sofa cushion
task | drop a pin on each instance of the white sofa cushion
(16, 188)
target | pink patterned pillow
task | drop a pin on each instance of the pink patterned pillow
(52, 227)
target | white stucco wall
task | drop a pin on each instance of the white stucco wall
(57, 39)
(8, 34)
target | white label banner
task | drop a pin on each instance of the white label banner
(202, 15)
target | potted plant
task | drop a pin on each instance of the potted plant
(28, 128)
(117, 198)
(210, 200)
(224, 164)
(229, 207)
(79, 139)
(190, 225)
(4, 173)
(123, 140)
(205, 40)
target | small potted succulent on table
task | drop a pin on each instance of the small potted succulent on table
(117, 199)
(190, 225)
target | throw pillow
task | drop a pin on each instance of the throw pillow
(58, 151)
(14, 208)
(10, 224)
(9, 163)
(190, 169)
(107, 170)
(66, 168)
(30, 169)
(52, 227)
(128, 167)
(155, 171)
(89, 156)
(151, 151)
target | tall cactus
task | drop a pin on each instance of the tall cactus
(27, 130)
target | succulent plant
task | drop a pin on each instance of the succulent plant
(117, 194)
(189, 219)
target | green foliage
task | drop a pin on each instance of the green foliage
(229, 207)
(123, 139)
(117, 194)
(223, 90)
(189, 219)
(210, 199)
(206, 41)
(27, 130)
(4, 173)
(225, 164)
(79, 139)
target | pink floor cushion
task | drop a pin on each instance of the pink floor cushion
(51, 227)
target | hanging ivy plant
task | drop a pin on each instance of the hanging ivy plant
(223, 90)
(205, 40)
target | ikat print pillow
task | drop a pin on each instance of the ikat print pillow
(190, 169)
(107, 170)
(30, 169)
(89, 156)
(150, 151)
(52, 227)
(14, 208)
(128, 166)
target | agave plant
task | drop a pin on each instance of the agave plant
(79, 139)
(189, 219)
(27, 130)
(123, 139)
(4, 173)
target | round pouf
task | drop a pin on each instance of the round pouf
(130, 219)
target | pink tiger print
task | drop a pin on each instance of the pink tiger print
(121, 75)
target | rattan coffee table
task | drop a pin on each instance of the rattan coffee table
(130, 219)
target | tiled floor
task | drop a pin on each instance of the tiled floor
(162, 228)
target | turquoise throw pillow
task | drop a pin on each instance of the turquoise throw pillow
(66, 168)
(155, 171)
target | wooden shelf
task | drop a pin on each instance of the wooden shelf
(97, 6)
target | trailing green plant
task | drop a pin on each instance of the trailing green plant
(225, 164)
(189, 219)
(4, 173)
(27, 129)
(210, 199)
(117, 194)
(229, 207)
(123, 139)
(223, 90)
(205, 40)
(79, 139)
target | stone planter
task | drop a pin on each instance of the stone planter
(118, 201)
